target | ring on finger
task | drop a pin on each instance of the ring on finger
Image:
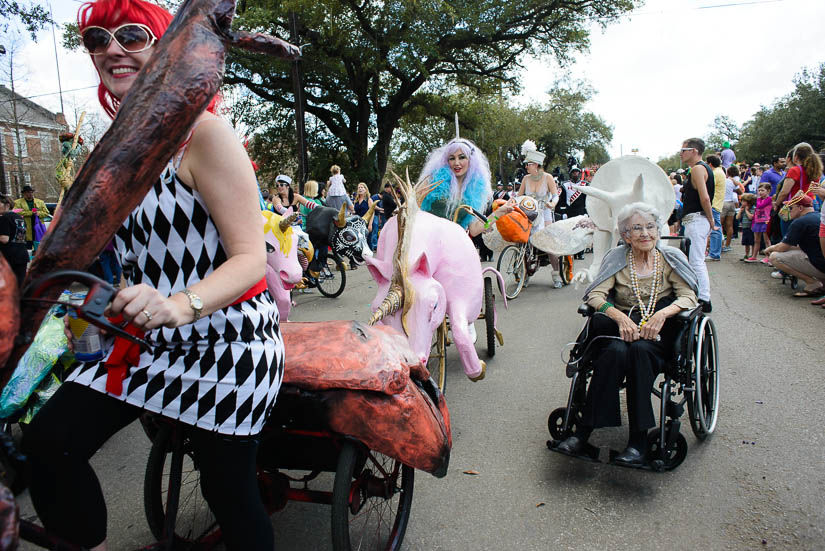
(148, 315)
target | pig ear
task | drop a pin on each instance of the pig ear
(381, 270)
(422, 266)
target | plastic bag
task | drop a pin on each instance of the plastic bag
(38, 228)
(49, 345)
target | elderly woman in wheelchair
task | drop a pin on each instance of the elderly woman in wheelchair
(630, 336)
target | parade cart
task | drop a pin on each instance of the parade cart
(364, 410)
(441, 339)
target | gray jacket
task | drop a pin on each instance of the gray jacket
(616, 259)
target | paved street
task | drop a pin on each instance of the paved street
(756, 484)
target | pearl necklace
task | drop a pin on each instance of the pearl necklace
(646, 310)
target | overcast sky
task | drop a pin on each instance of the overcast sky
(661, 74)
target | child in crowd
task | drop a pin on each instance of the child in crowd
(745, 217)
(760, 221)
(336, 191)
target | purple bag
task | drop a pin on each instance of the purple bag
(38, 228)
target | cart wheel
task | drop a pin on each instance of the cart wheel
(172, 479)
(437, 362)
(555, 423)
(511, 264)
(672, 458)
(371, 500)
(332, 278)
(490, 316)
(566, 269)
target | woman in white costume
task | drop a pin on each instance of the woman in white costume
(542, 187)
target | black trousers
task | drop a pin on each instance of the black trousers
(636, 363)
(66, 493)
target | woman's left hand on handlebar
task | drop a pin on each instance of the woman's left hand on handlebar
(146, 308)
(650, 330)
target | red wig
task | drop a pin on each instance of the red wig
(112, 13)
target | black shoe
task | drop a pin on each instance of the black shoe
(574, 445)
(630, 457)
(707, 308)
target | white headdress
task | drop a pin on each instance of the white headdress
(531, 154)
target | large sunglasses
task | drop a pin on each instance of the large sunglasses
(131, 37)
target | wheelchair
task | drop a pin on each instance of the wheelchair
(690, 377)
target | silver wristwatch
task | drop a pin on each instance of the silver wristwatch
(195, 303)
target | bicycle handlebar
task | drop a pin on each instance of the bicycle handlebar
(100, 295)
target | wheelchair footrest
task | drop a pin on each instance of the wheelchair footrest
(590, 452)
(656, 465)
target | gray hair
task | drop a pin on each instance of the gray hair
(629, 211)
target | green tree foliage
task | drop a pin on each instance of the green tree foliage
(33, 16)
(796, 117)
(724, 129)
(369, 63)
(559, 127)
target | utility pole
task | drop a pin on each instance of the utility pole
(298, 92)
(16, 123)
(4, 185)
(56, 63)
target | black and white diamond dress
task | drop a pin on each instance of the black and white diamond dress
(221, 373)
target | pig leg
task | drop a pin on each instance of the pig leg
(473, 367)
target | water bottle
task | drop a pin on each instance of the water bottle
(85, 336)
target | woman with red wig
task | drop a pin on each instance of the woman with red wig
(196, 250)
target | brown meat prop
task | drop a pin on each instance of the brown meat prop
(171, 91)
(348, 355)
(407, 426)
(10, 306)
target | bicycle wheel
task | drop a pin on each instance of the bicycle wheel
(172, 475)
(332, 278)
(513, 270)
(490, 316)
(371, 500)
(437, 362)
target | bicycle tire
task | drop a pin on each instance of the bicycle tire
(194, 523)
(332, 285)
(512, 267)
(490, 316)
(354, 478)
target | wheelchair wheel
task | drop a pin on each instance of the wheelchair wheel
(672, 458)
(332, 277)
(513, 269)
(555, 423)
(566, 269)
(371, 500)
(437, 362)
(172, 491)
(490, 316)
(703, 407)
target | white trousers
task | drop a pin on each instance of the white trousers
(697, 229)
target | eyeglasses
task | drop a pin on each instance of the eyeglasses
(131, 37)
(686, 149)
(283, 184)
(638, 229)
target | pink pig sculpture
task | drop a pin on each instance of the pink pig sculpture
(283, 271)
(434, 270)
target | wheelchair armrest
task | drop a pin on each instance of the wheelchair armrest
(586, 310)
(685, 316)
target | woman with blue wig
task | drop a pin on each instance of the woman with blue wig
(459, 174)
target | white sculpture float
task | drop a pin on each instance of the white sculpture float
(622, 181)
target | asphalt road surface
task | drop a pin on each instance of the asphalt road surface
(757, 483)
